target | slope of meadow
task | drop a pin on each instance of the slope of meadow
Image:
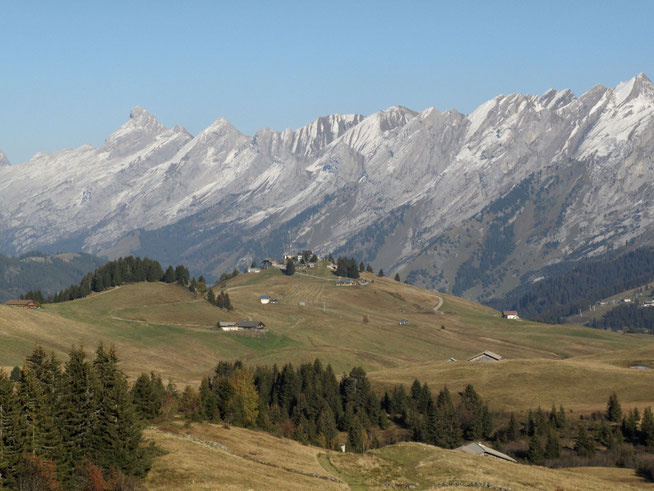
(207, 456)
(168, 329)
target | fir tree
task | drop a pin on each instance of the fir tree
(355, 436)
(535, 454)
(117, 435)
(553, 445)
(361, 267)
(211, 296)
(77, 410)
(584, 445)
(613, 408)
(369, 268)
(381, 273)
(512, 430)
(647, 428)
(397, 277)
(290, 267)
(169, 275)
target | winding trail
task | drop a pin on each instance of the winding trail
(440, 304)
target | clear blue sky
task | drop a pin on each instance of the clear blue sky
(71, 71)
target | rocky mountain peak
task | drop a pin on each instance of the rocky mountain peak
(4, 160)
(638, 87)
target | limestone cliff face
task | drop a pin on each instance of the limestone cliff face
(468, 203)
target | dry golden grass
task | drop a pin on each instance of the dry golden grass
(425, 467)
(167, 329)
(253, 460)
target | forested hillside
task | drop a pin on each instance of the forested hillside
(553, 298)
(48, 273)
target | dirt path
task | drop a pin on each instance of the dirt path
(440, 304)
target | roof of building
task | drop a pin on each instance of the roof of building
(226, 324)
(19, 302)
(264, 296)
(509, 312)
(250, 324)
(490, 354)
(477, 448)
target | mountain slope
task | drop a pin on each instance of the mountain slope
(521, 183)
(35, 271)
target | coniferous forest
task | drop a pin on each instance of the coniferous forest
(559, 296)
(79, 425)
(115, 273)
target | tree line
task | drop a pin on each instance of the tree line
(627, 317)
(78, 424)
(115, 273)
(553, 298)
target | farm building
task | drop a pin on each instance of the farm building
(486, 356)
(25, 304)
(345, 282)
(264, 299)
(251, 325)
(254, 270)
(228, 326)
(510, 314)
(477, 448)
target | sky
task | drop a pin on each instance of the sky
(70, 71)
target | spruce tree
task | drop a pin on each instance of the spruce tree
(211, 296)
(355, 436)
(584, 445)
(397, 277)
(116, 437)
(535, 454)
(290, 267)
(381, 273)
(647, 428)
(361, 267)
(613, 408)
(553, 445)
(512, 430)
(169, 275)
(76, 413)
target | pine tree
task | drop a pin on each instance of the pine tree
(369, 268)
(397, 277)
(77, 410)
(535, 454)
(613, 408)
(647, 428)
(584, 445)
(11, 439)
(553, 445)
(512, 430)
(355, 436)
(211, 296)
(361, 267)
(116, 437)
(290, 267)
(169, 275)
(381, 273)
(227, 302)
(449, 432)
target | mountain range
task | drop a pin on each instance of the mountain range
(475, 204)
